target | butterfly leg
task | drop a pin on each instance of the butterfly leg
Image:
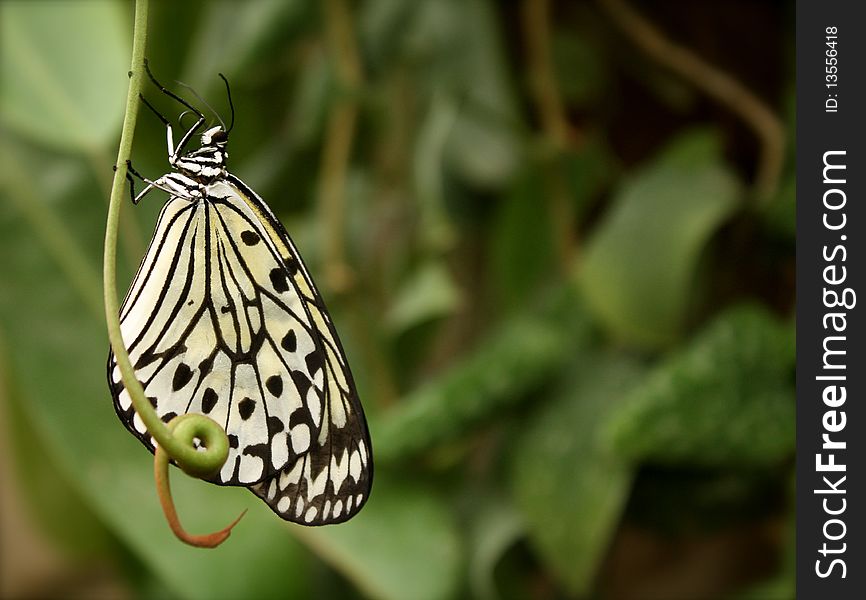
(130, 180)
(169, 184)
(173, 151)
(130, 172)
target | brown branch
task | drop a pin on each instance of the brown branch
(338, 141)
(557, 132)
(715, 83)
(542, 76)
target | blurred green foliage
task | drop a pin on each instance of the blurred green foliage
(569, 350)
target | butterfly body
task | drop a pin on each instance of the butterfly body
(223, 319)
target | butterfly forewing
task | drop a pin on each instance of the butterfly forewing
(214, 325)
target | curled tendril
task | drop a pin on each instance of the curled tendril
(212, 451)
(186, 428)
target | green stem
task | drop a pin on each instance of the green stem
(211, 436)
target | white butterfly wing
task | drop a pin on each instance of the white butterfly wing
(214, 326)
(224, 319)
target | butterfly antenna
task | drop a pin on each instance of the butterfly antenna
(167, 92)
(231, 104)
(203, 101)
(182, 115)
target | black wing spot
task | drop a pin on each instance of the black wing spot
(246, 407)
(290, 341)
(152, 400)
(250, 238)
(205, 366)
(275, 425)
(291, 265)
(182, 376)
(314, 361)
(274, 384)
(225, 309)
(278, 280)
(189, 303)
(209, 400)
(233, 441)
(168, 416)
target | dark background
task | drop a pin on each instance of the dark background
(819, 132)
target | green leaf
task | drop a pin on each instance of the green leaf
(231, 35)
(588, 171)
(640, 263)
(451, 50)
(524, 352)
(497, 528)
(429, 293)
(581, 70)
(404, 545)
(727, 398)
(63, 67)
(49, 495)
(570, 487)
(694, 147)
(780, 587)
(437, 231)
(522, 248)
(309, 105)
(780, 214)
(484, 145)
(384, 26)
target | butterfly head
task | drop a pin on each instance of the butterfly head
(206, 164)
(215, 136)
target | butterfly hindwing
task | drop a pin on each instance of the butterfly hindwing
(332, 482)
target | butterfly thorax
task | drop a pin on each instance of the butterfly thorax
(208, 163)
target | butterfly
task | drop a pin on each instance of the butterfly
(223, 319)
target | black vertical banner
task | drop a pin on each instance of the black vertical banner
(831, 284)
